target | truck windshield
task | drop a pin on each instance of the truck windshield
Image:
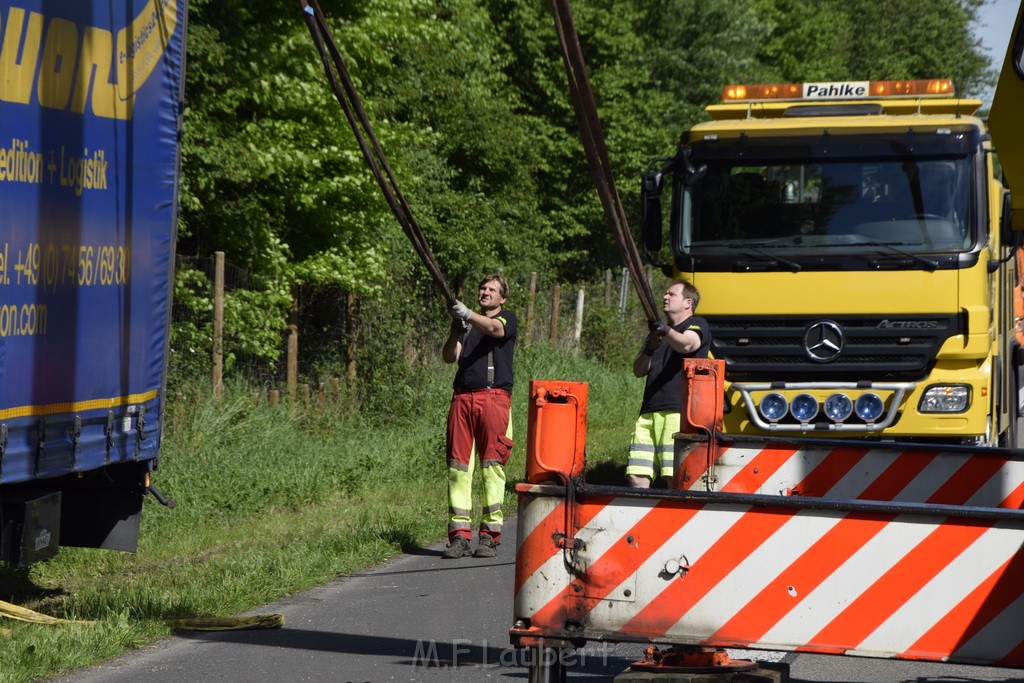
(831, 195)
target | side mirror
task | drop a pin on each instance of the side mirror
(1008, 237)
(650, 208)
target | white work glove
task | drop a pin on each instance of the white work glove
(460, 311)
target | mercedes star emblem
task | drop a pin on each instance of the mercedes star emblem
(823, 341)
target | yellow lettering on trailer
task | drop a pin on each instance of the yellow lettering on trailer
(94, 69)
(140, 45)
(16, 76)
(58, 67)
(82, 69)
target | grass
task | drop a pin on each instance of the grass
(273, 500)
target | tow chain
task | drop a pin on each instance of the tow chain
(592, 136)
(345, 91)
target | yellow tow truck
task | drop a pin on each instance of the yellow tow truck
(854, 249)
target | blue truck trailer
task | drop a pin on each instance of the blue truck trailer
(91, 97)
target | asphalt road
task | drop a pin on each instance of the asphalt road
(416, 618)
(421, 618)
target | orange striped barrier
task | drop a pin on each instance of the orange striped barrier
(887, 550)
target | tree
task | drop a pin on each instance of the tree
(814, 40)
(810, 40)
(469, 100)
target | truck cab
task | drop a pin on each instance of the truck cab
(853, 247)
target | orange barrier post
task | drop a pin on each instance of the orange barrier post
(702, 408)
(556, 431)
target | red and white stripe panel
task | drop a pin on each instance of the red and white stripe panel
(852, 473)
(668, 570)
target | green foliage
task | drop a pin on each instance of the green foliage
(266, 177)
(610, 339)
(809, 40)
(469, 171)
(191, 334)
(827, 40)
(253, 320)
(697, 48)
(262, 315)
(921, 40)
(469, 101)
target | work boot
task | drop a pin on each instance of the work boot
(486, 547)
(459, 547)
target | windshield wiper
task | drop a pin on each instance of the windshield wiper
(929, 264)
(771, 260)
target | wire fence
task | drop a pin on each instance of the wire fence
(330, 335)
(195, 315)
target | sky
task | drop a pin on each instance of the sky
(993, 28)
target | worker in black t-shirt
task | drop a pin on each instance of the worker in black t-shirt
(479, 424)
(684, 335)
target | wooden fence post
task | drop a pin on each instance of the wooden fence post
(292, 372)
(218, 324)
(556, 295)
(273, 397)
(529, 309)
(351, 324)
(578, 329)
(623, 291)
(608, 287)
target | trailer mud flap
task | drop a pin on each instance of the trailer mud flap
(103, 509)
(884, 579)
(29, 526)
(110, 521)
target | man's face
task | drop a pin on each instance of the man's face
(490, 297)
(674, 302)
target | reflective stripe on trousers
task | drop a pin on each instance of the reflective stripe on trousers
(460, 474)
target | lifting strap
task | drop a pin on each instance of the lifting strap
(582, 96)
(261, 621)
(345, 91)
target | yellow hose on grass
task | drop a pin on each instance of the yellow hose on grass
(22, 614)
(260, 621)
(228, 623)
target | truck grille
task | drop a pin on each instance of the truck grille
(846, 348)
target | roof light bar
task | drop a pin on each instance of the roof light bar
(839, 90)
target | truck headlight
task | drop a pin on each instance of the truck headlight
(945, 398)
(838, 407)
(804, 407)
(868, 407)
(773, 407)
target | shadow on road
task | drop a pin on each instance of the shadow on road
(458, 565)
(595, 660)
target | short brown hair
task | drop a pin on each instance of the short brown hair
(500, 279)
(689, 291)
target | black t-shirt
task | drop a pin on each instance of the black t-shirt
(664, 387)
(476, 346)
